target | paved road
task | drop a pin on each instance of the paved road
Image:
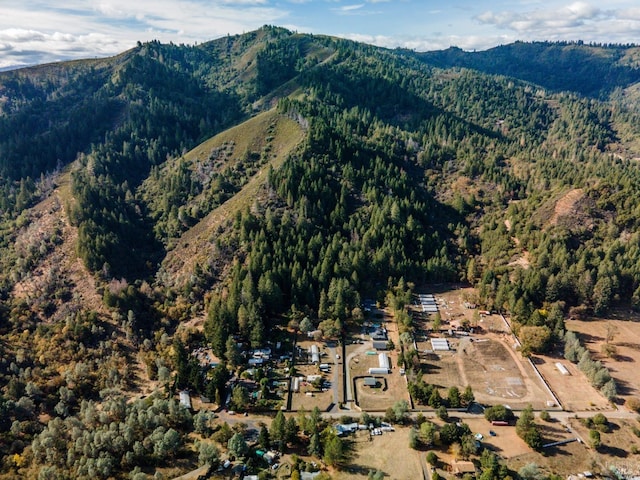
(557, 415)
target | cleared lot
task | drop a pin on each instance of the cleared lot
(573, 390)
(623, 366)
(388, 452)
(493, 369)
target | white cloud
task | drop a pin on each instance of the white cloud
(572, 21)
(435, 42)
(243, 2)
(574, 14)
(350, 8)
(49, 32)
(21, 35)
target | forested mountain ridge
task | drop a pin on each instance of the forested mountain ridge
(590, 70)
(262, 178)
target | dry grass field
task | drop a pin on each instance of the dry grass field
(577, 457)
(388, 452)
(505, 443)
(498, 374)
(574, 390)
(624, 365)
(493, 369)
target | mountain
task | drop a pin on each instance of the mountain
(175, 196)
(590, 70)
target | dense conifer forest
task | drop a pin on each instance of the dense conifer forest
(270, 179)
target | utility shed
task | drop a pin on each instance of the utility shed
(370, 382)
(307, 475)
(378, 371)
(462, 467)
(380, 344)
(562, 369)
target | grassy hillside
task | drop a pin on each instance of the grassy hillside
(252, 148)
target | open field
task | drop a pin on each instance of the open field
(498, 374)
(493, 369)
(506, 443)
(576, 457)
(388, 452)
(626, 340)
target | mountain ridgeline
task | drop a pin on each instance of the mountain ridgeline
(271, 176)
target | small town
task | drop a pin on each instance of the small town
(363, 388)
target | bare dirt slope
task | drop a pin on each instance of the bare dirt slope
(566, 205)
(49, 242)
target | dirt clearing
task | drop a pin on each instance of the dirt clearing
(624, 336)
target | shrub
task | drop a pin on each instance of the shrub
(442, 413)
(633, 404)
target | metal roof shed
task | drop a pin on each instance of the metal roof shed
(370, 382)
(383, 361)
(315, 354)
(440, 344)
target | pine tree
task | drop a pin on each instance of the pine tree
(263, 438)
(277, 429)
(315, 446)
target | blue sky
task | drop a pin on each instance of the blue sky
(39, 31)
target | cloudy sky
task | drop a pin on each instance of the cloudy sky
(38, 31)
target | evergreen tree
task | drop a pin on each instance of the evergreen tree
(237, 445)
(277, 430)
(315, 446)
(263, 438)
